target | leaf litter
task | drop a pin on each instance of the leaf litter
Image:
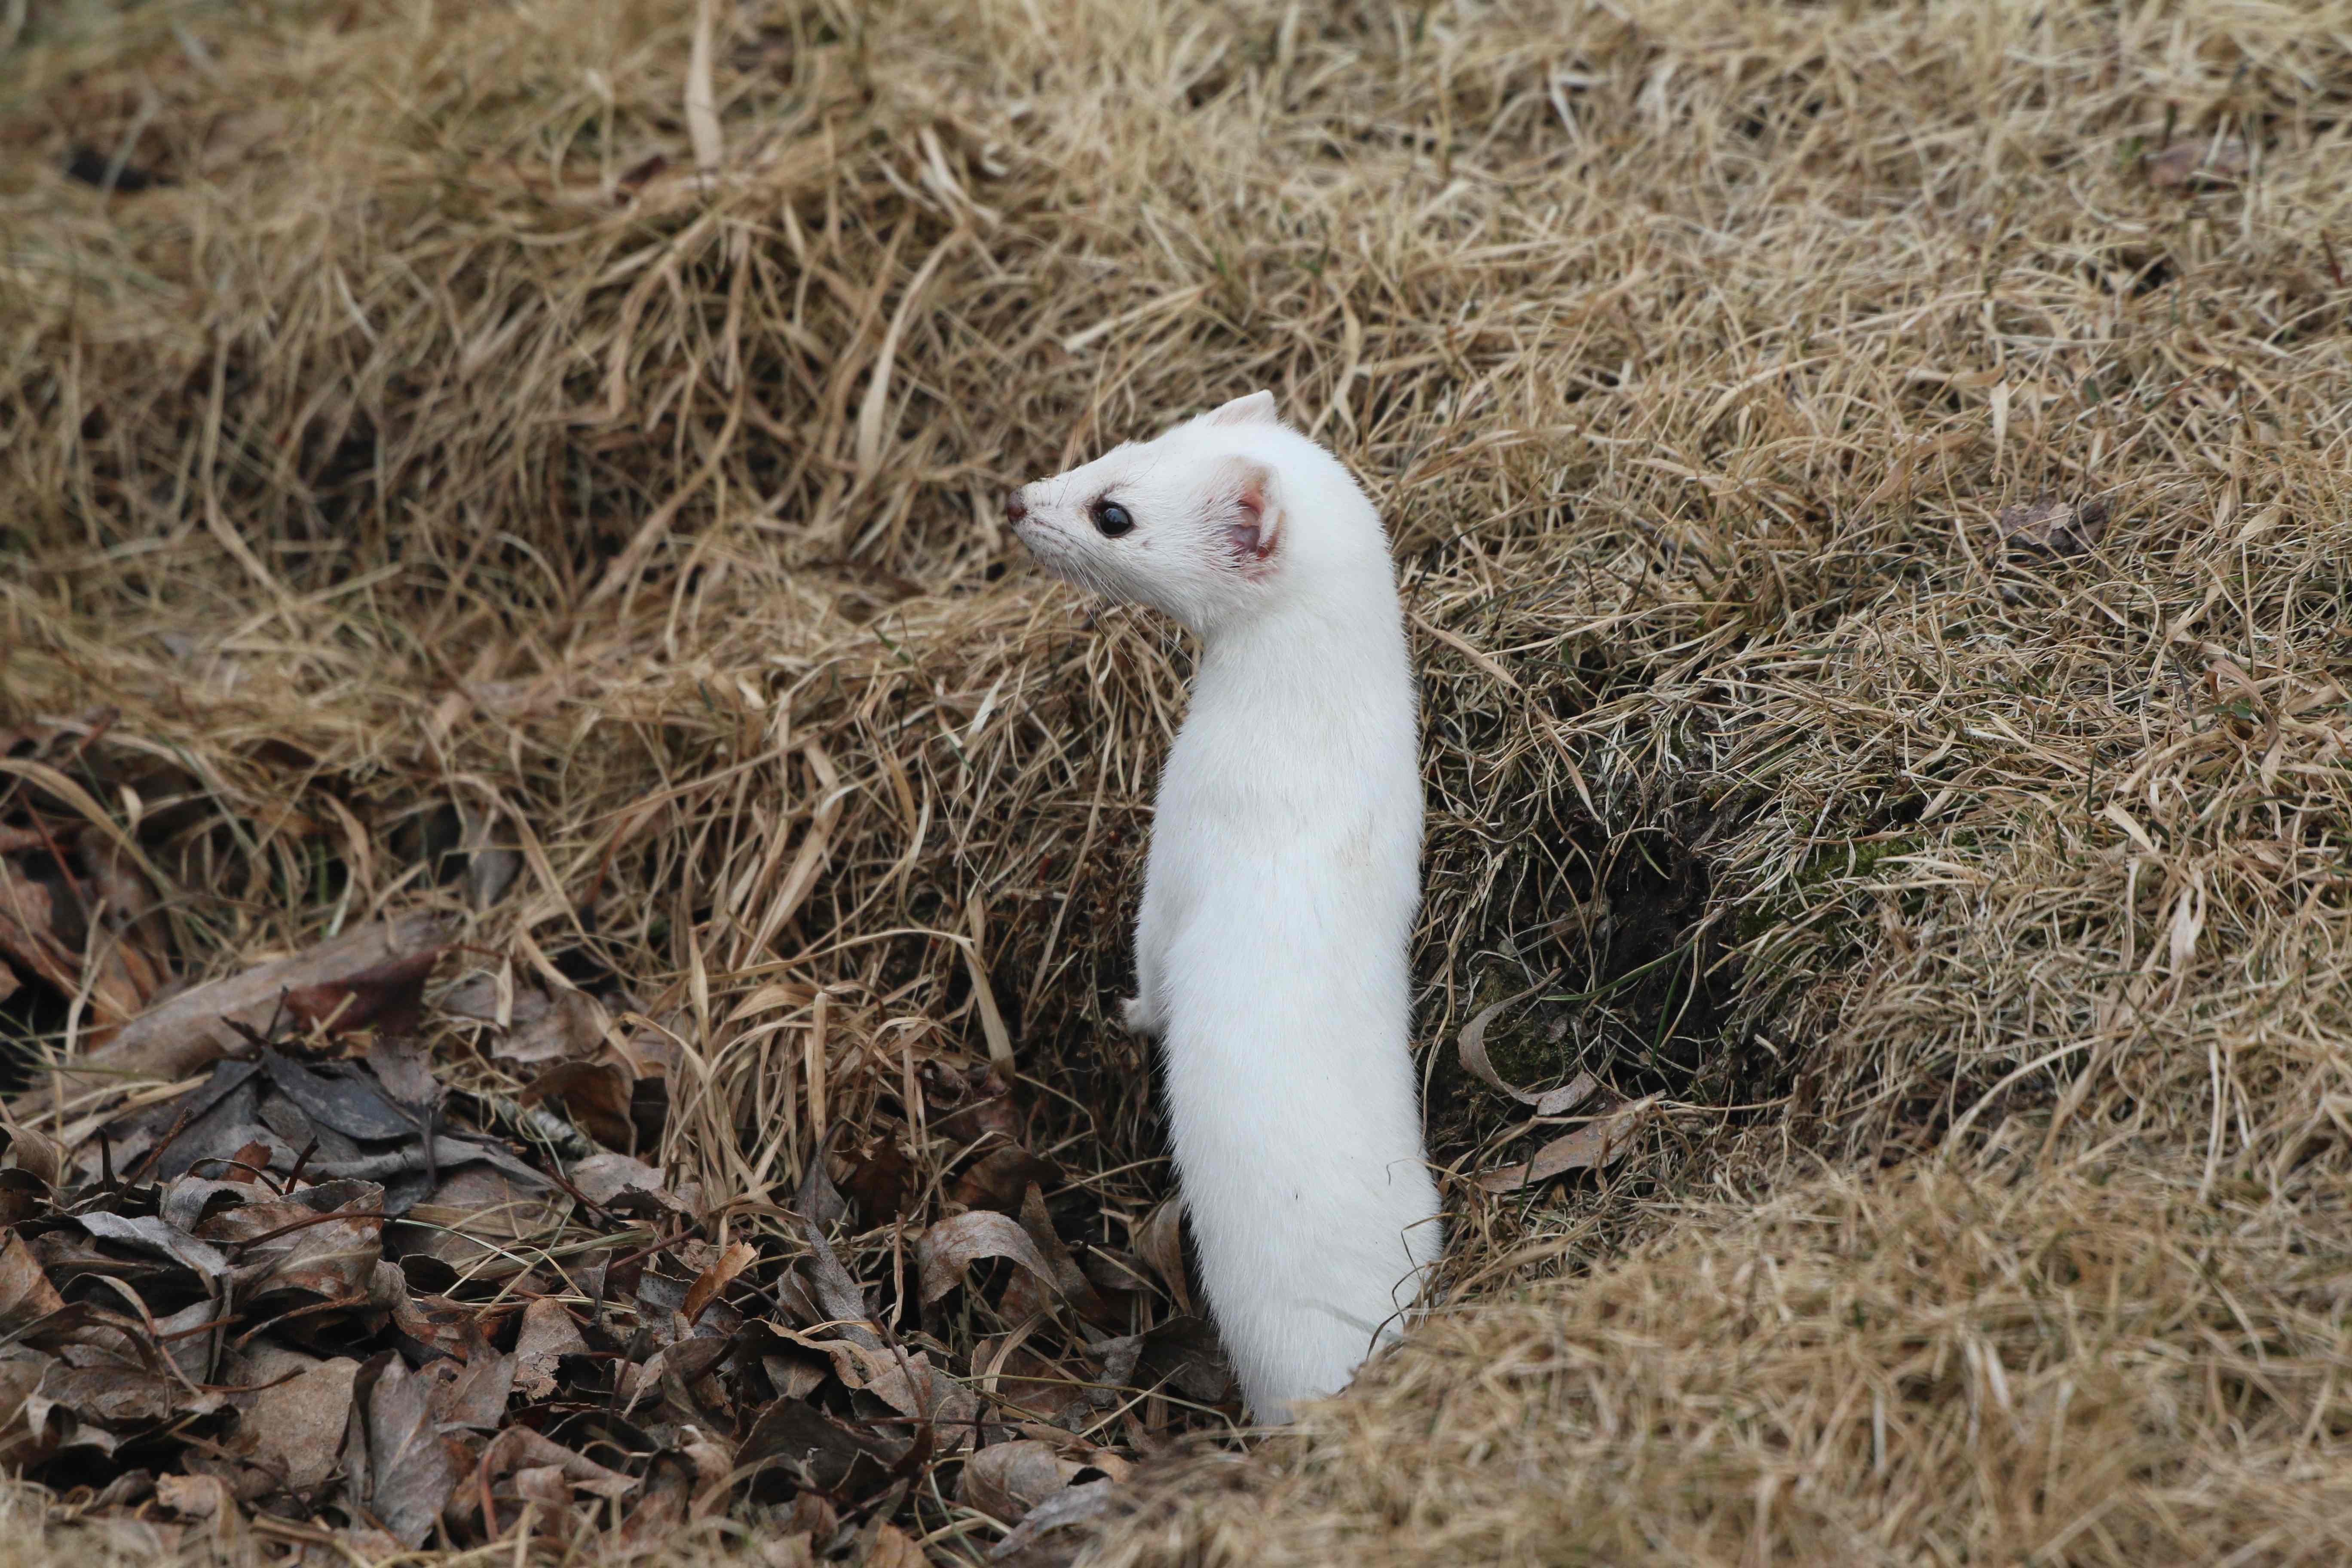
(278, 1259)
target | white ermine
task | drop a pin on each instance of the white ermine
(1284, 870)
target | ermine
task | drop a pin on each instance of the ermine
(1283, 873)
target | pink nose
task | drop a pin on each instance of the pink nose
(1015, 509)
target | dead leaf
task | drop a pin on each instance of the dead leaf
(152, 1234)
(437, 1324)
(23, 1440)
(193, 1497)
(1005, 1481)
(1067, 1276)
(1030, 1385)
(879, 1179)
(411, 1469)
(28, 920)
(894, 1548)
(1471, 1047)
(2048, 526)
(965, 1107)
(998, 1179)
(1599, 1142)
(663, 1500)
(617, 1181)
(1160, 1240)
(1065, 1509)
(387, 996)
(1186, 1355)
(292, 1430)
(597, 1097)
(572, 1025)
(739, 1257)
(192, 1029)
(25, 1294)
(323, 1242)
(948, 1249)
(474, 1393)
(548, 1334)
(342, 1096)
(2208, 160)
(909, 1383)
(519, 1448)
(818, 1452)
(403, 1067)
(476, 1214)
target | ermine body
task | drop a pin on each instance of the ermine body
(1284, 875)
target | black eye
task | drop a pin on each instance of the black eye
(1111, 519)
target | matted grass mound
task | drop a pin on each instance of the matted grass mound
(537, 461)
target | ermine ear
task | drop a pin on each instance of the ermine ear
(1253, 519)
(1258, 408)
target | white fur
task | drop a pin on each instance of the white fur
(1284, 874)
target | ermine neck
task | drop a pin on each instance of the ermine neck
(1311, 667)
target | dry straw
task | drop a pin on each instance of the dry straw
(587, 417)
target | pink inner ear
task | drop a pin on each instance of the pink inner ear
(1252, 535)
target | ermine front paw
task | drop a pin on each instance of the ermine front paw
(1138, 1018)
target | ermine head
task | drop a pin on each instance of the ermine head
(1224, 516)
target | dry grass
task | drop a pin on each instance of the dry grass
(1692, 349)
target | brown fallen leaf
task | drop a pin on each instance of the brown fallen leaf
(665, 1498)
(23, 1441)
(1186, 1354)
(617, 1181)
(194, 1497)
(25, 1294)
(471, 1394)
(998, 1179)
(148, 1234)
(597, 1097)
(290, 1428)
(324, 1243)
(965, 1107)
(1160, 1240)
(411, 1471)
(878, 1178)
(818, 1452)
(28, 934)
(194, 1028)
(519, 1448)
(2207, 161)
(1005, 1481)
(2048, 526)
(1599, 1142)
(1062, 1514)
(909, 1383)
(948, 1249)
(1067, 1279)
(476, 1215)
(548, 1334)
(568, 1025)
(437, 1323)
(1471, 1047)
(1029, 1385)
(893, 1548)
(389, 996)
(738, 1256)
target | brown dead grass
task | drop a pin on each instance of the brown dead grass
(1691, 348)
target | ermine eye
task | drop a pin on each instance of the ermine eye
(1112, 519)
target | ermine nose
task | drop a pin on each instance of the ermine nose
(1015, 509)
